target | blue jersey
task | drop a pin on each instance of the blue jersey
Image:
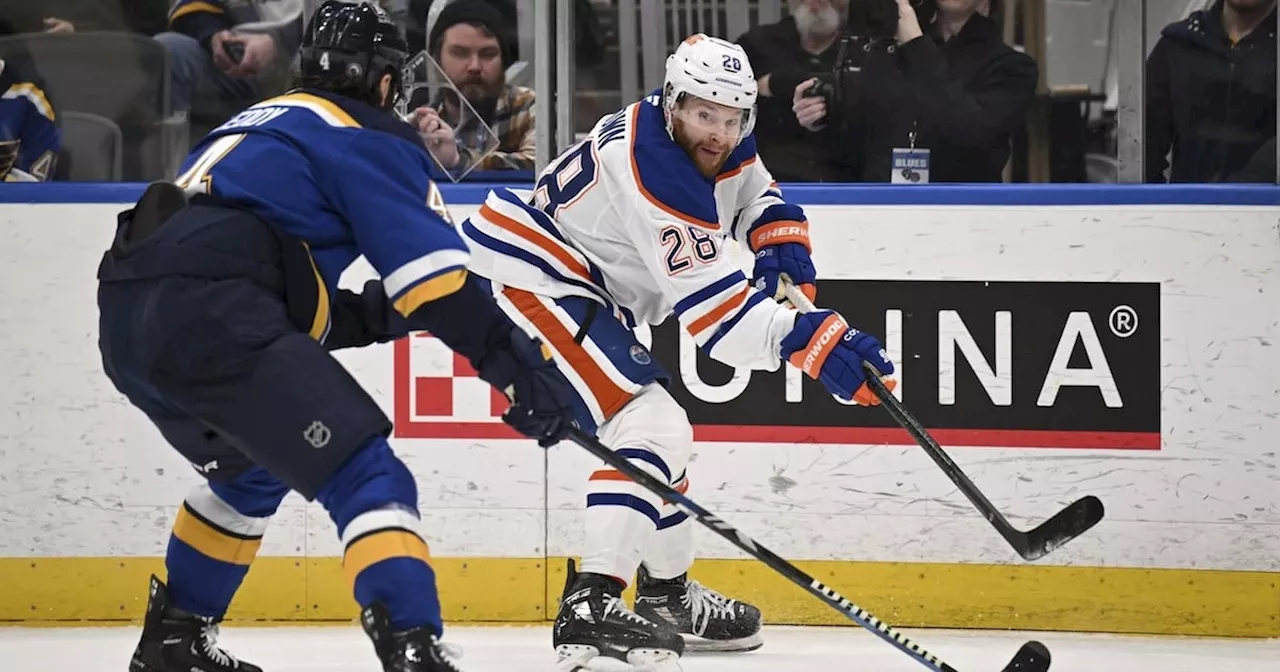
(29, 137)
(344, 178)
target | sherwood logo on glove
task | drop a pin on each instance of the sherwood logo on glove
(1026, 364)
(818, 347)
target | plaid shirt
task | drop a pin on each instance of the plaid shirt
(512, 124)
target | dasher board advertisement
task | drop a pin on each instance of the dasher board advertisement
(1006, 364)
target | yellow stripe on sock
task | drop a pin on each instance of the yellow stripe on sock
(379, 546)
(213, 541)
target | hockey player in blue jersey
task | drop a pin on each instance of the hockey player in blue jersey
(218, 303)
(29, 137)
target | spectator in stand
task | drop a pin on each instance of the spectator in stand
(589, 34)
(29, 136)
(491, 127)
(220, 70)
(1211, 94)
(783, 55)
(938, 102)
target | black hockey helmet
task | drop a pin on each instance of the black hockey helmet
(347, 47)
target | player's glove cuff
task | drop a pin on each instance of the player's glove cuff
(779, 223)
(780, 232)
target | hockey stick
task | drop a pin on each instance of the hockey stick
(1066, 525)
(1032, 657)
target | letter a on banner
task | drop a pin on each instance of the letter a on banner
(1080, 327)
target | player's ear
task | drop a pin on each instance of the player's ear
(384, 88)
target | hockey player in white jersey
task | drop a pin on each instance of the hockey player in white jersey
(627, 227)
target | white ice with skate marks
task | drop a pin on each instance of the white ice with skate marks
(786, 649)
(85, 474)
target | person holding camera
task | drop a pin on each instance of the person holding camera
(924, 93)
(785, 54)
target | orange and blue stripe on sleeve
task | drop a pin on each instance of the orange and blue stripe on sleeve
(708, 308)
(712, 312)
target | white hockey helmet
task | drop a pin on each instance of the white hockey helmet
(714, 70)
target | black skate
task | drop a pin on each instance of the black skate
(708, 620)
(594, 621)
(416, 650)
(176, 641)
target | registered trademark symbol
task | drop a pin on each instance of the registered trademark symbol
(1123, 321)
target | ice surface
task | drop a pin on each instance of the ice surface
(508, 649)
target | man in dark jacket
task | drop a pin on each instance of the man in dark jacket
(955, 89)
(783, 55)
(1211, 92)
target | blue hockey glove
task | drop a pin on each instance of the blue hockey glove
(826, 348)
(780, 241)
(787, 262)
(541, 398)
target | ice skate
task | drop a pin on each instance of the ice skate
(594, 625)
(416, 650)
(708, 620)
(176, 641)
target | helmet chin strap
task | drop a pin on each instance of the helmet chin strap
(669, 117)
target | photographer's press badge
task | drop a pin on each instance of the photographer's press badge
(910, 166)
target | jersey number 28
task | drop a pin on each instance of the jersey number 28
(677, 239)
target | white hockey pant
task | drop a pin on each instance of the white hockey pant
(625, 523)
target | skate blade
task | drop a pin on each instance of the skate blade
(696, 644)
(583, 658)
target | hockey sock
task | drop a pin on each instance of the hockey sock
(670, 552)
(215, 538)
(373, 500)
(621, 517)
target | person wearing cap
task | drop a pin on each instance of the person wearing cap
(473, 47)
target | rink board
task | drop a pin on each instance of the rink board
(520, 590)
(1157, 303)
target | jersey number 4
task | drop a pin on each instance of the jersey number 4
(678, 240)
(198, 178)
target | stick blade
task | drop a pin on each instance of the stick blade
(1032, 657)
(1068, 524)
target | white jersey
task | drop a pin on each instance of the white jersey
(625, 218)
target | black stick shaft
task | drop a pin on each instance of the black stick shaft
(917, 431)
(922, 437)
(774, 561)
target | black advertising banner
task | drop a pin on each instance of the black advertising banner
(1029, 364)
